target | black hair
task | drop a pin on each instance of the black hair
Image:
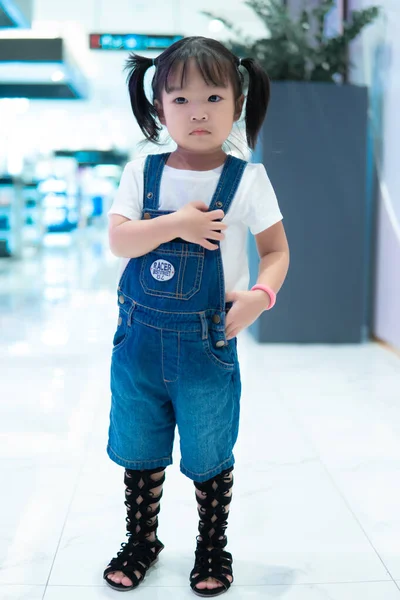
(218, 66)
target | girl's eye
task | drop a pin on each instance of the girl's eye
(215, 98)
(180, 100)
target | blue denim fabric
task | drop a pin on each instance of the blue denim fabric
(171, 362)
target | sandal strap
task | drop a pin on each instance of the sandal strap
(139, 484)
(223, 501)
(225, 483)
(218, 528)
(134, 478)
(214, 518)
(215, 563)
(145, 521)
(139, 556)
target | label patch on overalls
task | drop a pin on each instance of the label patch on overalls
(162, 270)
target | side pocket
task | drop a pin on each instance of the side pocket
(223, 356)
(122, 333)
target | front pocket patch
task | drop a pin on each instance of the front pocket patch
(162, 270)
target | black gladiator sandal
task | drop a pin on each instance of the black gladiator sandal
(138, 553)
(216, 562)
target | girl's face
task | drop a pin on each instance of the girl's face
(199, 117)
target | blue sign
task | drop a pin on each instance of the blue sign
(131, 41)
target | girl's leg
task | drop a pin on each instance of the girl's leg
(212, 573)
(143, 494)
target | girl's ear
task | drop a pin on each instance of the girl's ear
(160, 111)
(239, 107)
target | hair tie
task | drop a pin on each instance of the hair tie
(240, 62)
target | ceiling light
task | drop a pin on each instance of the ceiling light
(58, 76)
(216, 26)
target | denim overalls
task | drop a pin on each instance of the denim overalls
(171, 362)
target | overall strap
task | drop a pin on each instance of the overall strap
(228, 183)
(153, 169)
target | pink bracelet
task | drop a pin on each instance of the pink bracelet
(267, 290)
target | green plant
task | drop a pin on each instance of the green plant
(297, 48)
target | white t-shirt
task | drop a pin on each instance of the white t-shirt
(254, 207)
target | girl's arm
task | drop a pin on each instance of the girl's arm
(273, 249)
(194, 223)
(248, 305)
(131, 239)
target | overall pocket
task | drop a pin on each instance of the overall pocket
(173, 271)
(225, 356)
(123, 329)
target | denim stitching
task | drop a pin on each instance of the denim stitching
(132, 308)
(217, 361)
(162, 354)
(181, 273)
(139, 461)
(221, 181)
(181, 279)
(157, 180)
(166, 294)
(179, 253)
(122, 307)
(146, 180)
(231, 185)
(204, 327)
(155, 309)
(137, 320)
(144, 264)
(200, 269)
(165, 312)
(233, 190)
(172, 295)
(150, 182)
(160, 294)
(221, 278)
(179, 355)
(124, 341)
(177, 364)
(155, 161)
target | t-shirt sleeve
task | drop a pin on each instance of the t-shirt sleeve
(262, 208)
(127, 200)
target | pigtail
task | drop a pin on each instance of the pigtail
(257, 99)
(144, 111)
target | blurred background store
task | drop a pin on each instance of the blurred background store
(327, 357)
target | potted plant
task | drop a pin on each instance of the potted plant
(314, 147)
(298, 49)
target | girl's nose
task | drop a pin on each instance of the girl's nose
(197, 118)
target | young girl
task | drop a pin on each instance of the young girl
(182, 219)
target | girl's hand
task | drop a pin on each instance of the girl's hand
(194, 223)
(247, 307)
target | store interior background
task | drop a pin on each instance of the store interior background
(62, 205)
(69, 198)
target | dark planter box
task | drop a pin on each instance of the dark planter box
(313, 145)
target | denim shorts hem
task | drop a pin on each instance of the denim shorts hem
(202, 477)
(139, 465)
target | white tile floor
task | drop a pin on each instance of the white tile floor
(317, 481)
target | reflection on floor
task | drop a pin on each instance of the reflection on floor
(316, 498)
